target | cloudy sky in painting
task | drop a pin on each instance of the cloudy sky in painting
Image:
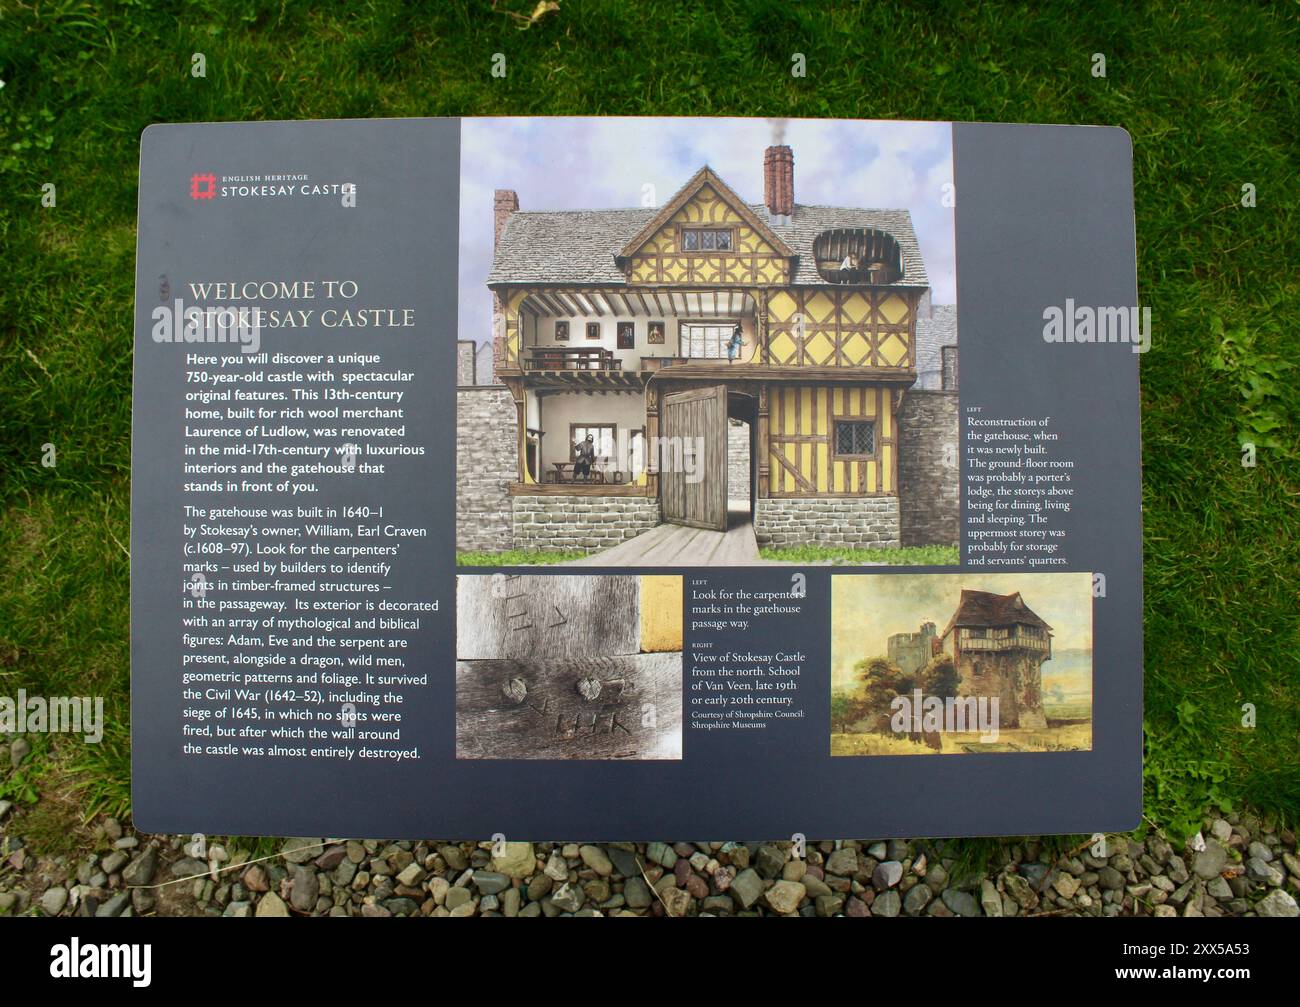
(866, 610)
(597, 163)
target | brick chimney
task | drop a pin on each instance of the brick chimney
(778, 183)
(504, 203)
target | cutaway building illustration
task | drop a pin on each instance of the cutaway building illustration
(649, 334)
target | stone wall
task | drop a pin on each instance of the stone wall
(738, 462)
(855, 522)
(465, 362)
(486, 460)
(929, 486)
(557, 523)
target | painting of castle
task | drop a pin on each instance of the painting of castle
(990, 680)
(723, 365)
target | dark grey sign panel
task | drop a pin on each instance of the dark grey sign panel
(1044, 216)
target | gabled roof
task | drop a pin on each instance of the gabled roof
(704, 177)
(983, 608)
(578, 247)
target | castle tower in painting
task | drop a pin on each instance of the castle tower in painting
(911, 652)
(998, 645)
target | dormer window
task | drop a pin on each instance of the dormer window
(707, 239)
(858, 255)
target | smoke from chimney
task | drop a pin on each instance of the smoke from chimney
(778, 131)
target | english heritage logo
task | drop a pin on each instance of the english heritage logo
(206, 186)
(203, 186)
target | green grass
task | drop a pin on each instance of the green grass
(518, 557)
(916, 555)
(1208, 91)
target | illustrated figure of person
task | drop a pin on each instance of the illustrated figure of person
(734, 344)
(584, 456)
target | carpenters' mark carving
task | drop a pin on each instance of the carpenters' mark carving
(524, 610)
(605, 697)
(515, 689)
(581, 724)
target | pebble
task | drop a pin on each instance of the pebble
(271, 905)
(1066, 885)
(637, 893)
(1258, 869)
(916, 899)
(991, 898)
(114, 862)
(18, 751)
(785, 896)
(747, 887)
(300, 850)
(142, 869)
(844, 862)
(556, 868)
(887, 903)
(306, 889)
(457, 896)
(1278, 903)
(1260, 851)
(517, 860)
(567, 898)
(53, 901)
(490, 882)
(1211, 860)
(1021, 890)
(887, 874)
(961, 903)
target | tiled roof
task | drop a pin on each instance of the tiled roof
(578, 246)
(982, 608)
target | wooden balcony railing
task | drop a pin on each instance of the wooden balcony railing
(577, 358)
(1011, 641)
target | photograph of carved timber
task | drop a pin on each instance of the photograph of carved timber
(754, 360)
(580, 667)
(923, 664)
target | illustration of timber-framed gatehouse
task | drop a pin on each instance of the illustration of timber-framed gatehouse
(779, 338)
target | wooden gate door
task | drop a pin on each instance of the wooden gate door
(693, 458)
